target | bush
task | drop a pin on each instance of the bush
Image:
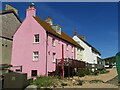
(63, 84)
(104, 71)
(95, 72)
(82, 73)
(44, 81)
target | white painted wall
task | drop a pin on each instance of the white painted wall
(88, 55)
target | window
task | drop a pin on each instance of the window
(53, 42)
(67, 47)
(54, 57)
(72, 49)
(35, 56)
(34, 73)
(36, 38)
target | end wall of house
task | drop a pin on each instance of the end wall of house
(24, 46)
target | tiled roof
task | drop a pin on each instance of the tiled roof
(10, 11)
(63, 35)
(10, 23)
(95, 50)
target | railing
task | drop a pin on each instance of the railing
(71, 62)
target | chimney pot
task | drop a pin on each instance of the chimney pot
(49, 20)
(31, 11)
(75, 32)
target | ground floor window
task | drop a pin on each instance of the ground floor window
(34, 73)
(35, 56)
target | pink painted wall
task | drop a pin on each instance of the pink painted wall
(58, 50)
(24, 46)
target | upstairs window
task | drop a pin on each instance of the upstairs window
(35, 56)
(53, 42)
(67, 47)
(54, 57)
(36, 38)
(72, 48)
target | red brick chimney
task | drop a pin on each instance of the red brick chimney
(75, 32)
(49, 20)
(31, 11)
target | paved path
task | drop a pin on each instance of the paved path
(104, 77)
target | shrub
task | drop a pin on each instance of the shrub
(63, 84)
(95, 72)
(82, 73)
(44, 81)
(104, 71)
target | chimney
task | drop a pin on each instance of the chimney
(31, 11)
(75, 32)
(83, 37)
(49, 20)
(9, 7)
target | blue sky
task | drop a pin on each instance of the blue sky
(98, 21)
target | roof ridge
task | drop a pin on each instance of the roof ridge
(63, 35)
(94, 49)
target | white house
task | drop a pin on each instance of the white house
(89, 54)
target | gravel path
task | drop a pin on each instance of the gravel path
(104, 77)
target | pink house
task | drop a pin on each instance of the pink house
(38, 43)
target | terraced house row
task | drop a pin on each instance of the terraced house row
(38, 44)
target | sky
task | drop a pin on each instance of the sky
(98, 21)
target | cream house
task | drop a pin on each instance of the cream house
(89, 54)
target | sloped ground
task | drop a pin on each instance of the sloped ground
(108, 80)
(104, 77)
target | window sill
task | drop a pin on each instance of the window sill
(53, 45)
(35, 61)
(53, 61)
(36, 43)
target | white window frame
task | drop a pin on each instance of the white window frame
(67, 47)
(54, 57)
(35, 56)
(36, 38)
(53, 42)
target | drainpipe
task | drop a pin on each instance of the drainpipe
(62, 61)
(46, 51)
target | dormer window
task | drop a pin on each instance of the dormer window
(36, 38)
(57, 28)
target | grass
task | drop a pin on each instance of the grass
(44, 81)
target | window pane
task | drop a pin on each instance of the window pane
(36, 38)
(35, 56)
